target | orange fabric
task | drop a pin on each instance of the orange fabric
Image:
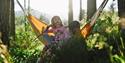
(39, 26)
(86, 30)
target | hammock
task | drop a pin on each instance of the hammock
(39, 26)
(87, 28)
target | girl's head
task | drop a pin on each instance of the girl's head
(56, 21)
(74, 27)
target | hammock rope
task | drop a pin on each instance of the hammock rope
(87, 28)
(25, 13)
(97, 14)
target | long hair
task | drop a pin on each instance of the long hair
(56, 19)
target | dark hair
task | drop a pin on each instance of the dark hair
(74, 26)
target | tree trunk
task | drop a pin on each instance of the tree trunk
(70, 15)
(91, 8)
(81, 13)
(25, 16)
(12, 19)
(121, 14)
(121, 8)
(4, 20)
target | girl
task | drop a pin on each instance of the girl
(59, 31)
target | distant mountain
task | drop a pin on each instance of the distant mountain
(36, 13)
(19, 13)
(40, 15)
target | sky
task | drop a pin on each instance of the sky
(59, 7)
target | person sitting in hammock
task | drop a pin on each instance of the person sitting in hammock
(59, 31)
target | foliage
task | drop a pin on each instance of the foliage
(104, 45)
(118, 59)
(106, 31)
(1, 59)
(25, 48)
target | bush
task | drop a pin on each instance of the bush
(72, 51)
(24, 49)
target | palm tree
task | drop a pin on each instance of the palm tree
(91, 8)
(70, 15)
